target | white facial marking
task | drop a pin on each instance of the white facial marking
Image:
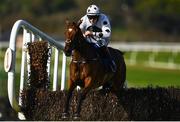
(70, 29)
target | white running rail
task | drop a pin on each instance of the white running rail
(155, 48)
(30, 34)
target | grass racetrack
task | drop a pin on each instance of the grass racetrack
(141, 76)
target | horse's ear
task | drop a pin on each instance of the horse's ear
(67, 21)
(79, 22)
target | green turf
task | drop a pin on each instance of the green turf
(140, 76)
(177, 58)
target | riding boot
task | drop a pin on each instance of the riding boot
(105, 54)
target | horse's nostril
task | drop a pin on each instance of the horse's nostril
(68, 53)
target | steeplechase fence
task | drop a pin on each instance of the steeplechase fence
(30, 34)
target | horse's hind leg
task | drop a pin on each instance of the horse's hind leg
(120, 77)
(118, 83)
(65, 113)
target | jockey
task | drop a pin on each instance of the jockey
(96, 29)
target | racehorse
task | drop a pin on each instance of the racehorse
(86, 67)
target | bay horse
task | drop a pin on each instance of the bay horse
(86, 67)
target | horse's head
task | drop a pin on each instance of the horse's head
(72, 34)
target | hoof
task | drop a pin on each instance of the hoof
(64, 115)
(76, 116)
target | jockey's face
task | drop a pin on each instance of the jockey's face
(93, 18)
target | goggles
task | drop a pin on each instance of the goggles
(93, 16)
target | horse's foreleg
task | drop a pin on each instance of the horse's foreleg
(82, 96)
(67, 101)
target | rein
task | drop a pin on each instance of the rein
(67, 41)
(83, 61)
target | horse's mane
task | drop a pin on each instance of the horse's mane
(84, 41)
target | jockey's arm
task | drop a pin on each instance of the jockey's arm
(105, 35)
(106, 30)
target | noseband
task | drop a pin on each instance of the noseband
(68, 41)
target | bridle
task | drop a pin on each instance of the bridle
(67, 41)
(82, 61)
